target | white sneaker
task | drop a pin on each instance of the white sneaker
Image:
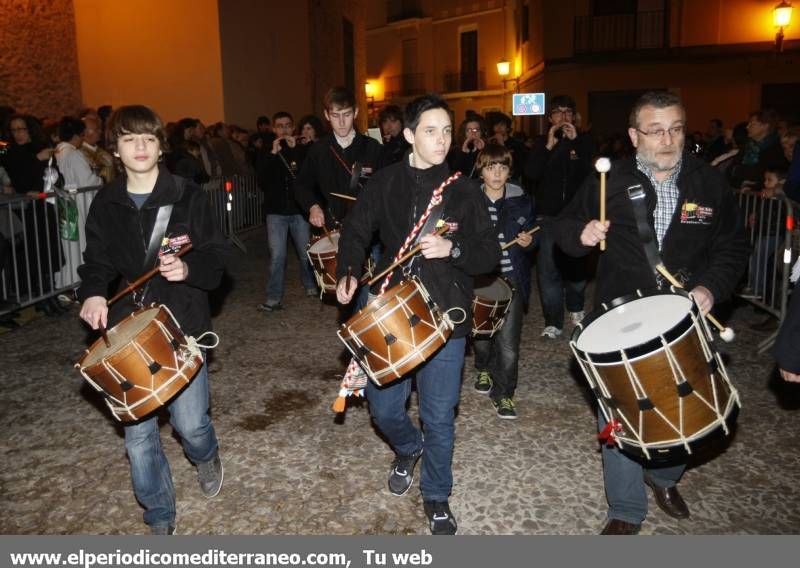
(577, 317)
(551, 332)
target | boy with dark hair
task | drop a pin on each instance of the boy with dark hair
(276, 176)
(394, 201)
(511, 213)
(122, 218)
(334, 162)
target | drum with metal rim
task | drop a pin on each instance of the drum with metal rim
(492, 298)
(650, 361)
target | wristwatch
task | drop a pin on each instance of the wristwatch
(455, 250)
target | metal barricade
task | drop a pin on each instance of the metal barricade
(237, 203)
(770, 226)
(41, 245)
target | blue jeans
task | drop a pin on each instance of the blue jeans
(623, 477)
(150, 473)
(278, 226)
(559, 276)
(500, 354)
(438, 389)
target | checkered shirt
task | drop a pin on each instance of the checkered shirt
(666, 198)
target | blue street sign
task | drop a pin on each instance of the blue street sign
(527, 104)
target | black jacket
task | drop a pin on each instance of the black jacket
(558, 173)
(393, 150)
(708, 249)
(324, 172)
(277, 180)
(117, 234)
(392, 202)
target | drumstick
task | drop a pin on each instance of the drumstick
(440, 231)
(146, 276)
(343, 196)
(602, 165)
(726, 333)
(347, 282)
(515, 241)
(102, 330)
(328, 234)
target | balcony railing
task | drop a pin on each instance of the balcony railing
(617, 32)
(406, 85)
(464, 81)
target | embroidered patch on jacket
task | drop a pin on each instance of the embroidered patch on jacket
(171, 245)
(696, 214)
(452, 226)
(573, 155)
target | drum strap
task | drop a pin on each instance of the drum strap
(159, 229)
(646, 234)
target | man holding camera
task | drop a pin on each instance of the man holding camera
(276, 176)
(557, 165)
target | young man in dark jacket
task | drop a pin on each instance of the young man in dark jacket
(330, 163)
(700, 237)
(511, 213)
(118, 230)
(391, 205)
(395, 146)
(277, 171)
(557, 165)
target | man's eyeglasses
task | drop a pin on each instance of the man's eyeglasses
(473, 130)
(674, 132)
(562, 111)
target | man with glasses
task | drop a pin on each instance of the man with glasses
(557, 165)
(695, 222)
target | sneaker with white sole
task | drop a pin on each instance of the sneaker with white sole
(440, 517)
(483, 384)
(402, 474)
(551, 332)
(577, 317)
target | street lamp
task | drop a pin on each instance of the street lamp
(781, 17)
(503, 68)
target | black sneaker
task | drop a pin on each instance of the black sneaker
(483, 384)
(505, 408)
(210, 475)
(402, 474)
(162, 530)
(269, 307)
(440, 517)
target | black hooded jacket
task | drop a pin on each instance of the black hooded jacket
(391, 204)
(117, 235)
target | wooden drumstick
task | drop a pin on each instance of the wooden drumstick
(515, 241)
(146, 276)
(328, 234)
(347, 282)
(726, 333)
(103, 332)
(440, 231)
(343, 196)
(602, 165)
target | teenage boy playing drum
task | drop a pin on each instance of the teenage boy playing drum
(511, 213)
(392, 203)
(118, 228)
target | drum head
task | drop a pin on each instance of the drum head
(324, 244)
(495, 289)
(120, 335)
(633, 323)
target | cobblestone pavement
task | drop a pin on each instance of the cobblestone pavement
(293, 467)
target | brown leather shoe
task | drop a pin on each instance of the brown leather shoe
(669, 500)
(618, 527)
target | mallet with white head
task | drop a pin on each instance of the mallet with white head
(602, 165)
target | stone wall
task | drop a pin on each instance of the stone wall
(38, 57)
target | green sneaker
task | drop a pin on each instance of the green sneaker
(505, 408)
(483, 384)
